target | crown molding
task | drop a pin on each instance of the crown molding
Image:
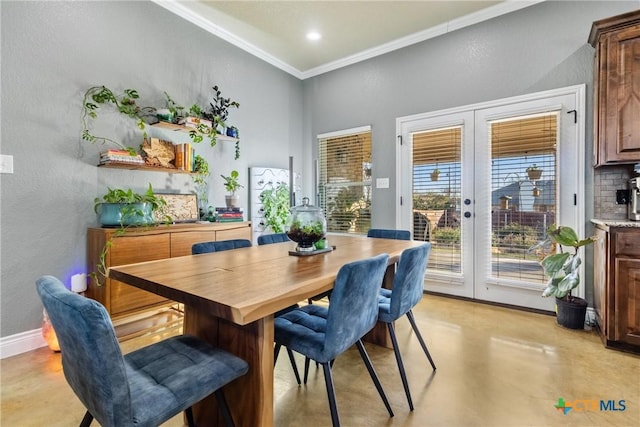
(508, 6)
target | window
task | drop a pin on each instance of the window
(344, 179)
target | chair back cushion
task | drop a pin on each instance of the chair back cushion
(408, 283)
(353, 306)
(389, 234)
(267, 239)
(91, 356)
(222, 245)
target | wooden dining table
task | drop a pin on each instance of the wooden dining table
(229, 300)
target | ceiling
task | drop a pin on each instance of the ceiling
(352, 31)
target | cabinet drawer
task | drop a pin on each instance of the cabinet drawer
(129, 250)
(243, 232)
(627, 243)
(181, 242)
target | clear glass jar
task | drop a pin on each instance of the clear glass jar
(306, 225)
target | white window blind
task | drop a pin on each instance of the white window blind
(344, 179)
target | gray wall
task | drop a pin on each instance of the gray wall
(51, 53)
(541, 47)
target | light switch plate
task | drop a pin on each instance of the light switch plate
(382, 182)
(6, 163)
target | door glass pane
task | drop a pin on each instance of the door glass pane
(436, 195)
(523, 197)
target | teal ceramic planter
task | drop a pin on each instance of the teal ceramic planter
(124, 214)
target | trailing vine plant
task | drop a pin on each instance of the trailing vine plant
(125, 103)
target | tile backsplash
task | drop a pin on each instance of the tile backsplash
(606, 180)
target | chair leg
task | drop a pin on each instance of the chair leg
(331, 394)
(306, 369)
(189, 413)
(294, 366)
(224, 408)
(424, 346)
(403, 374)
(374, 376)
(276, 352)
(86, 420)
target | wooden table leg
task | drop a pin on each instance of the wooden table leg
(380, 333)
(250, 397)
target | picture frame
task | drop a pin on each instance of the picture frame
(182, 208)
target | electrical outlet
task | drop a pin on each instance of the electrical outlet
(622, 197)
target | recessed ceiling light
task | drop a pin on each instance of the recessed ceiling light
(314, 35)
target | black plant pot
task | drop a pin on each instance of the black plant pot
(571, 314)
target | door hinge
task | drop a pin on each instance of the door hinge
(399, 139)
(400, 200)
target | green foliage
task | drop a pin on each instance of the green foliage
(447, 235)
(275, 202)
(231, 182)
(562, 267)
(515, 237)
(125, 103)
(348, 208)
(119, 195)
(431, 201)
(129, 198)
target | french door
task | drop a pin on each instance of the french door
(482, 183)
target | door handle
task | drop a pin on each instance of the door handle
(467, 214)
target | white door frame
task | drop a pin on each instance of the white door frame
(455, 116)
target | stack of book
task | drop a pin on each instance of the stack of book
(120, 157)
(229, 215)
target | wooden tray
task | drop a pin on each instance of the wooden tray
(315, 252)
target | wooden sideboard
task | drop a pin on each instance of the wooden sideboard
(147, 244)
(617, 286)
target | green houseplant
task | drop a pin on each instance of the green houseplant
(125, 102)
(562, 268)
(232, 184)
(120, 207)
(200, 179)
(124, 209)
(275, 204)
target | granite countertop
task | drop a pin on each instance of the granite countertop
(616, 223)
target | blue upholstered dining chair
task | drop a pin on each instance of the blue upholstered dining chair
(323, 333)
(267, 239)
(221, 245)
(143, 388)
(389, 234)
(407, 291)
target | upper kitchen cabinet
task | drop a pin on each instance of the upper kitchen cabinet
(616, 89)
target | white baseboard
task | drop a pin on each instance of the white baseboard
(21, 343)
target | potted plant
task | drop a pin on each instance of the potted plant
(275, 205)
(123, 209)
(119, 207)
(200, 179)
(435, 174)
(534, 172)
(562, 268)
(231, 184)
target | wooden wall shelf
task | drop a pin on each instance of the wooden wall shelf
(130, 166)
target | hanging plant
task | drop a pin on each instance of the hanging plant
(125, 103)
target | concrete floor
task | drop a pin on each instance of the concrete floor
(495, 367)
